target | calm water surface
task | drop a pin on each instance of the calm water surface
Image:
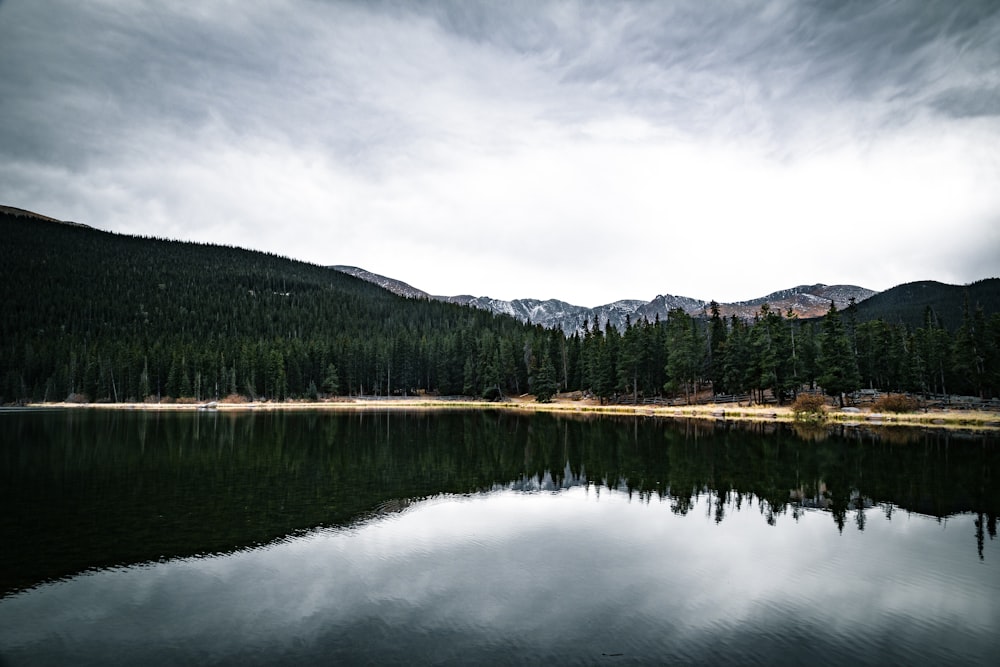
(483, 538)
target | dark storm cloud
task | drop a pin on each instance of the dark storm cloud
(81, 82)
(967, 102)
(935, 55)
(78, 81)
(771, 68)
(75, 78)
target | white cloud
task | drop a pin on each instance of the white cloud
(573, 151)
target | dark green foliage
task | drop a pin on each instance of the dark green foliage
(907, 303)
(632, 358)
(717, 335)
(738, 361)
(600, 356)
(773, 356)
(931, 359)
(882, 358)
(837, 359)
(331, 379)
(107, 317)
(544, 385)
(805, 344)
(124, 318)
(968, 352)
(773, 343)
(685, 352)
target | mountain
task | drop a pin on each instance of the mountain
(526, 310)
(113, 317)
(95, 316)
(21, 213)
(908, 303)
(394, 286)
(806, 301)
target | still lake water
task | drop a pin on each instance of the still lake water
(459, 538)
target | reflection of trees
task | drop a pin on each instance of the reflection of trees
(96, 488)
(990, 522)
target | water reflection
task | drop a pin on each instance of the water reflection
(549, 572)
(92, 489)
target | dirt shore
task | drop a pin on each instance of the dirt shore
(959, 419)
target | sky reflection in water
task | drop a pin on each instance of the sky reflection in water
(582, 575)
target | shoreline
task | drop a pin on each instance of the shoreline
(945, 419)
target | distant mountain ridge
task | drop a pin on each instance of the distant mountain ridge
(21, 213)
(907, 303)
(390, 284)
(804, 300)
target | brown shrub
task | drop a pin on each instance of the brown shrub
(77, 398)
(233, 398)
(896, 403)
(809, 407)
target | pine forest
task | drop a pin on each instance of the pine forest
(101, 317)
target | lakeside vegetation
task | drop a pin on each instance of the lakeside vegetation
(100, 317)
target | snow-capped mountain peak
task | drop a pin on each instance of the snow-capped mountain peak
(803, 301)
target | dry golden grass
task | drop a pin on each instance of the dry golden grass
(961, 419)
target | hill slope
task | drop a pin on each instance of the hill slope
(394, 286)
(908, 303)
(15, 212)
(121, 318)
(118, 317)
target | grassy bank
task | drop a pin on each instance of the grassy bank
(962, 419)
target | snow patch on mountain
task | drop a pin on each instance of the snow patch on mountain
(390, 284)
(804, 301)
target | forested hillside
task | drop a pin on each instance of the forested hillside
(908, 303)
(110, 317)
(89, 315)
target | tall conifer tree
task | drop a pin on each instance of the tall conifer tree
(837, 363)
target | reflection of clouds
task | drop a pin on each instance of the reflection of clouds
(571, 570)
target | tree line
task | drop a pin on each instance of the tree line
(95, 316)
(777, 355)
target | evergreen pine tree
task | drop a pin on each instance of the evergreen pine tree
(631, 359)
(684, 353)
(545, 384)
(966, 360)
(331, 380)
(716, 345)
(837, 363)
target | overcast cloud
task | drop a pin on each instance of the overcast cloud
(586, 151)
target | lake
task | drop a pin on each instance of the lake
(490, 537)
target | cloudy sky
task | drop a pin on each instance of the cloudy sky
(585, 151)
